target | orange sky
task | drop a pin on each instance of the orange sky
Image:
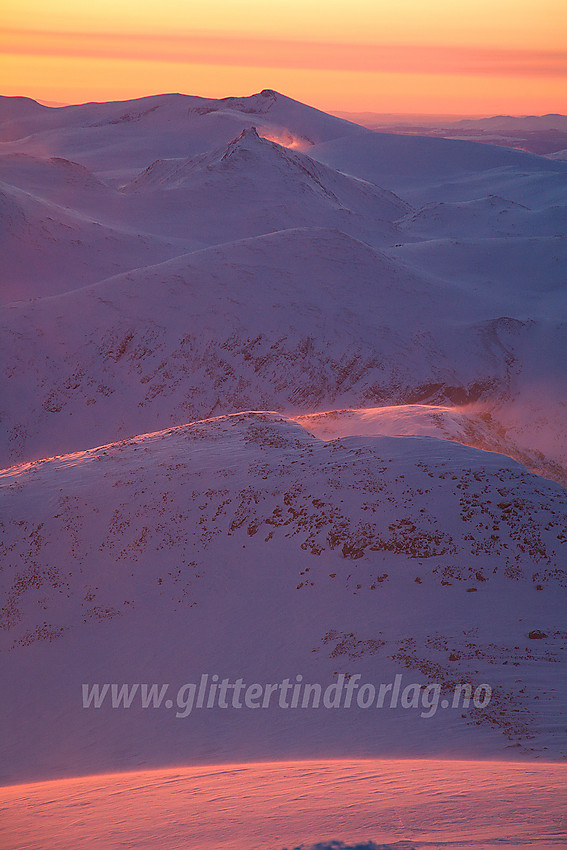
(460, 57)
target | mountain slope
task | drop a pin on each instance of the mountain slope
(75, 230)
(49, 249)
(418, 166)
(255, 550)
(399, 803)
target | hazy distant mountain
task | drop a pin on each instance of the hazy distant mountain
(541, 134)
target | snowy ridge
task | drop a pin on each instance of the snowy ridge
(471, 425)
(487, 217)
(290, 342)
(251, 157)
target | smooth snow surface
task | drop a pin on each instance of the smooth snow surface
(388, 805)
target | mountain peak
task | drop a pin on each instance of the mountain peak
(248, 140)
(248, 133)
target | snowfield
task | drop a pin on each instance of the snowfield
(384, 805)
(280, 397)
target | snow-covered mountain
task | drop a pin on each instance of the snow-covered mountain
(274, 169)
(173, 268)
(253, 186)
(118, 137)
(300, 319)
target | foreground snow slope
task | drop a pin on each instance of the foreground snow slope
(408, 804)
(243, 546)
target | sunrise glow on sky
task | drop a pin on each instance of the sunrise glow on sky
(423, 56)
